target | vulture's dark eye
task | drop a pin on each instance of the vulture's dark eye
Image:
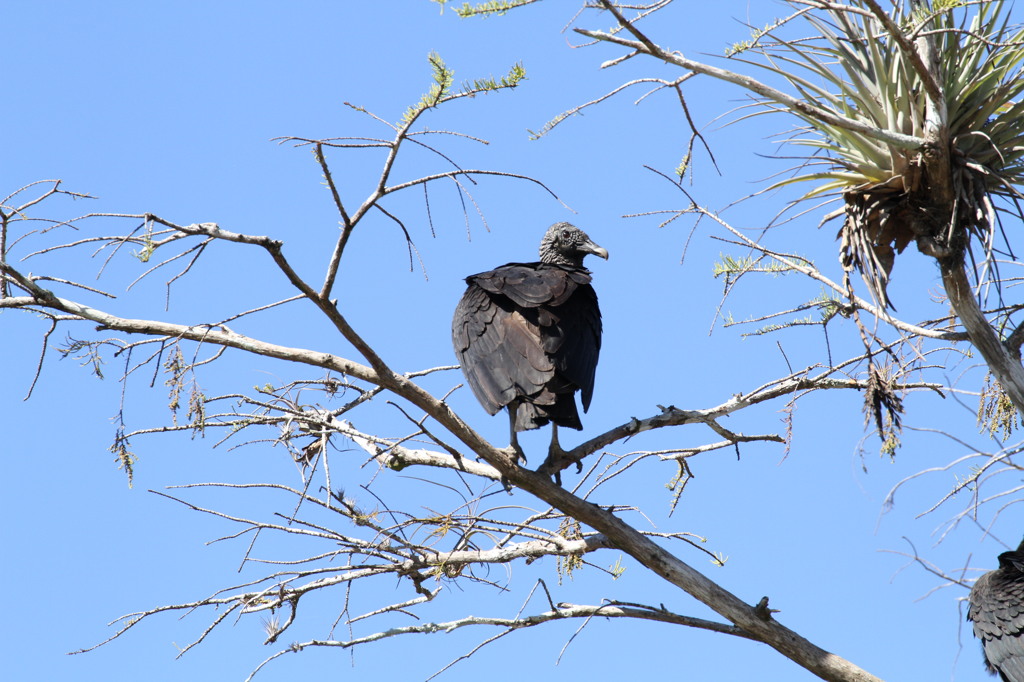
(566, 234)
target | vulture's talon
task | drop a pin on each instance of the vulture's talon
(515, 453)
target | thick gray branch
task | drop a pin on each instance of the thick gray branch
(1005, 366)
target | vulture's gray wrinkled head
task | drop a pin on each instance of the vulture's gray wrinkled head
(566, 244)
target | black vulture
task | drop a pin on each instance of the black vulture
(528, 335)
(997, 610)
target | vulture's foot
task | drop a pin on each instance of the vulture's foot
(557, 460)
(515, 453)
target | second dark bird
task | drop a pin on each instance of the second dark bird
(997, 611)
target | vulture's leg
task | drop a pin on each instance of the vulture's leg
(513, 408)
(516, 449)
(555, 450)
(555, 454)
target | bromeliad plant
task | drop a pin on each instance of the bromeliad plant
(928, 86)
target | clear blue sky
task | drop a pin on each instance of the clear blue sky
(170, 108)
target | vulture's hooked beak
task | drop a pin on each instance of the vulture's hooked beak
(591, 247)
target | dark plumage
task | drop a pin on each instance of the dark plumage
(997, 610)
(528, 335)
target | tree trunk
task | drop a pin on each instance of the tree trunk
(1004, 365)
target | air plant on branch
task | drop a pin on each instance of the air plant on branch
(874, 69)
